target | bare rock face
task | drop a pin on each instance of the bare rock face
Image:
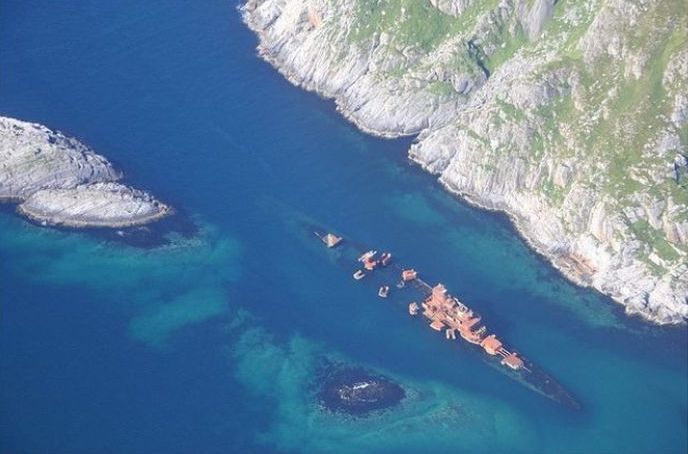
(569, 116)
(93, 205)
(451, 7)
(32, 157)
(59, 181)
(295, 37)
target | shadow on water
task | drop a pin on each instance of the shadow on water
(149, 236)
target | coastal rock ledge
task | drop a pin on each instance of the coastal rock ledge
(571, 117)
(57, 180)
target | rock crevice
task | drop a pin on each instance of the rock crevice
(567, 116)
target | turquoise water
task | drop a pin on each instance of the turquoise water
(211, 344)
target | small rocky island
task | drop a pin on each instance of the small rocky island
(356, 391)
(57, 180)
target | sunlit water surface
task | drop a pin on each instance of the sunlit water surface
(211, 344)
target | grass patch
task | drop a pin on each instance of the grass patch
(655, 240)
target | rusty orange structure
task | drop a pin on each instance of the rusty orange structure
(513, 361)
(444, 310)
(409, 275)
(449, 315)
(330, 239)
(491, 344)
(369, 263)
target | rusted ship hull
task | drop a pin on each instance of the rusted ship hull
(523, 371)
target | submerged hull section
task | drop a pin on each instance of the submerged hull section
(446, 314)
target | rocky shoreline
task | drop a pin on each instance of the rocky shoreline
(95, 205)
(58, 181)
(492, 126)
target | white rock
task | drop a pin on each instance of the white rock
(58, 180)
(501, 141)
(93, 205)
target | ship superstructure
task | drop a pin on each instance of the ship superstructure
(446, 313)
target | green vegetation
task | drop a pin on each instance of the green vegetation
(611, 105)
(654, 239)
(410, 22)
(511, 43)
(441, 88)
(555, 194)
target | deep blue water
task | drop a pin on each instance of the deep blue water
(211, 345)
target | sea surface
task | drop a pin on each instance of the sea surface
(212, 343)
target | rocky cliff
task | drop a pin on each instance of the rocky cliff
(571, 116)
(58, 180)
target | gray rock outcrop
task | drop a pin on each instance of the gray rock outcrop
(57, 180)
(570, 117)
(93, 205)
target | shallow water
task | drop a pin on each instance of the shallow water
(211, 344)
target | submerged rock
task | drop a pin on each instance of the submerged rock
(357, 392)
(59, 181)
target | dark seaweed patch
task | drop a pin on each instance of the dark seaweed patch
(356, 391)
